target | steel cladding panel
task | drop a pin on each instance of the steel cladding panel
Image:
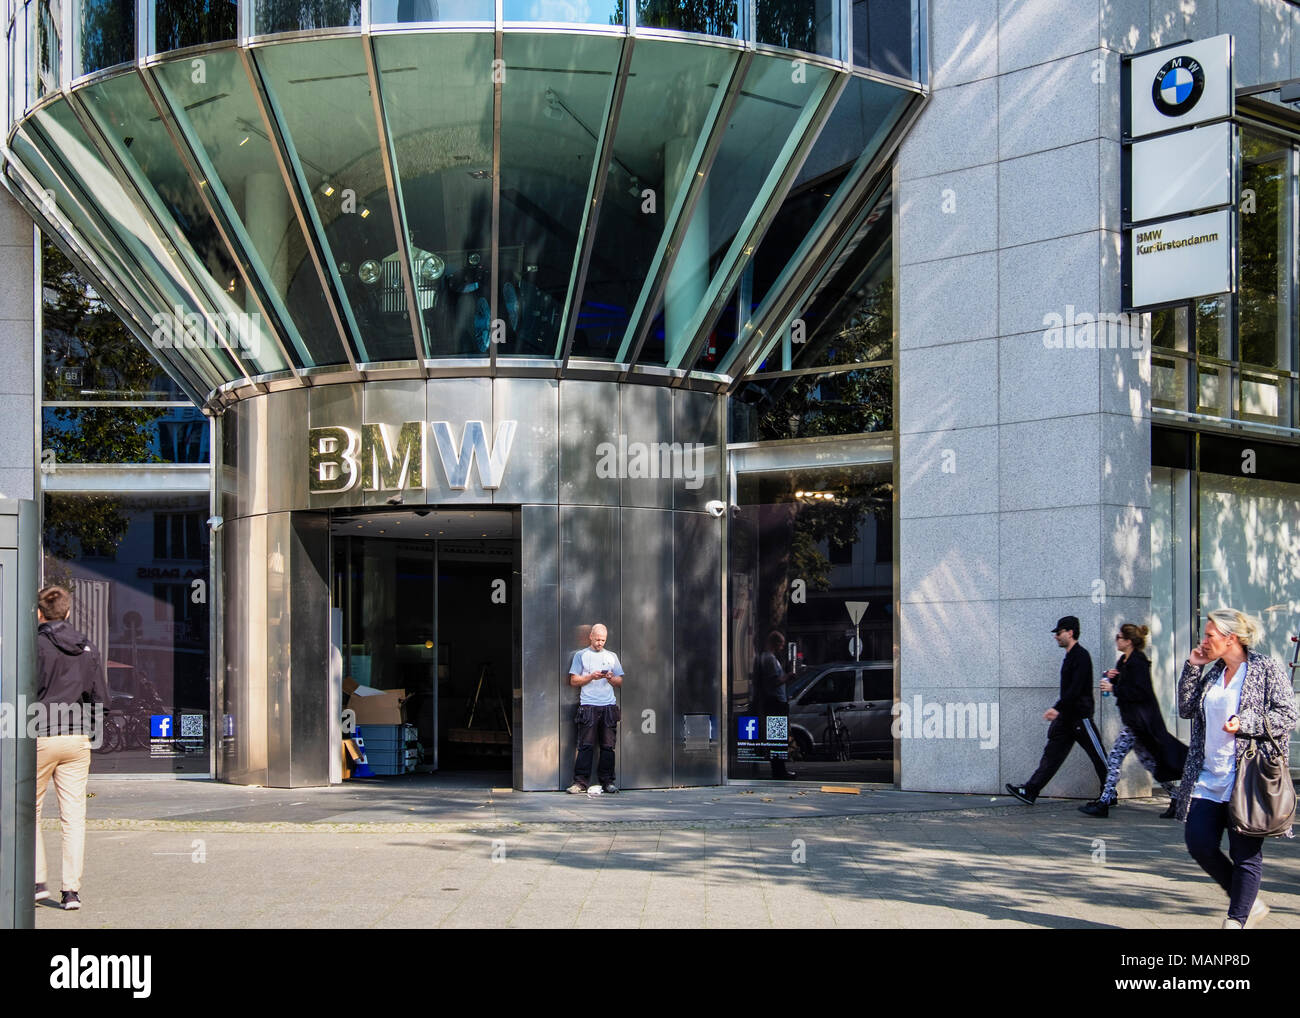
(589, 593)
(531, 473)
(588, 419)
(286, 450)
(243, 757)
(331, 406)
(697, 647)
(395, 402)
(279, 704)
(309, 640)
(256, 435)
(644, 643)
(697, 426)
(543, 670)
(647, 421)
(457, 401)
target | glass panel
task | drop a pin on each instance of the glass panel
(707, 18)
(1262, 397)
(553, 107)
(1168, 382)
(106, 34)
(89, 354)
(788, 523)
(1213, 338)
(124, 113)
(766, 113)
(443, 162)
(864, 112)
(383, 12)
(806, 25)
(804, 406)
(1169, 329)
(882, 36)
(1267, 252)
(66, 146)
(135, 606)
(179, 23)
(590, 12)
(49, 14)
(670, 90)
(221, 115)
(1212, 390)
(322, 99)
(123, 435)
(850, 317)
(302, 15)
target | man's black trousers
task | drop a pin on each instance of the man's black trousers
(1062, 734)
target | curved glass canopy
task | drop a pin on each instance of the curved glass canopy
(357, 197)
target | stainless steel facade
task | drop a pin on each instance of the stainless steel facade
(645, 559)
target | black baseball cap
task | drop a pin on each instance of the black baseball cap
(1067, 622)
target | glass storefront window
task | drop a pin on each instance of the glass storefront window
(133, 564)
(706, 17)
(105, 35)
(180, 23)
(304, 15)
(807, 405)
(49, 16)
(805, 545)
(590, 12)
(99, 434)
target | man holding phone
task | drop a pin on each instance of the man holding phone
(597, 672)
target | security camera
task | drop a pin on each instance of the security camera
(215, 522)
(716, 509)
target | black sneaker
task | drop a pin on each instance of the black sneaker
(1096, 808)
(1172, 812)
(42, 892)
(609, 788)
(1022, 793)
(71, 901)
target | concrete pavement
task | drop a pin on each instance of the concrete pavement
(438, 853)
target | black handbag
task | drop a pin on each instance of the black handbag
(1263, 798)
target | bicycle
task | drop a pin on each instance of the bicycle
(838, 743)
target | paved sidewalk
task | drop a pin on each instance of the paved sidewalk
(423, 854)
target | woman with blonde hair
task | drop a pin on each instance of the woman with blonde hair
(1242, 695)
(1144, 729)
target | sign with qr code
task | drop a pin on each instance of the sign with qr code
(778, 729)
(773, 744)
(192, 726)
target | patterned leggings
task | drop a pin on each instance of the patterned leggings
(1124, 742)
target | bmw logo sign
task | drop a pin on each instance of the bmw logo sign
(1178, 86)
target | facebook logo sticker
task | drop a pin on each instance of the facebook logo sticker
(160, 726)
(747, 726)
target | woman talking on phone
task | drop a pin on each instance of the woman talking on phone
(1230, 701)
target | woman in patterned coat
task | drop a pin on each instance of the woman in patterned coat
(1227, 703)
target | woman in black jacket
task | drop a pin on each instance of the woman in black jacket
(1144, 729)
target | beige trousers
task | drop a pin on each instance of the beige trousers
(67, 758)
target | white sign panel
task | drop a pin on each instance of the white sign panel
(1182, 258)
(1183, 172)
(1179, 86)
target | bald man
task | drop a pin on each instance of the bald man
(597, 672)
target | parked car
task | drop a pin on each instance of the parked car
(842, 710)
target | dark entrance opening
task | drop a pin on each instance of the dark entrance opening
(423, 601)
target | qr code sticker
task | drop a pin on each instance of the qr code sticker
(192, 726)
(778, 729)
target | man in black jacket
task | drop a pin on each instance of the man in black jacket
(70, 683)
(1071, 717)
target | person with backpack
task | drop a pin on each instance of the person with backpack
(70, 683)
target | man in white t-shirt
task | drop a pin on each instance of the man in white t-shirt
(597, 672)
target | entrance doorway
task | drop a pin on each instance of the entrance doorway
(423, 600)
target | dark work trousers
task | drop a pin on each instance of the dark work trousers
(596, 725)
(1062, 734)
(1206, 822)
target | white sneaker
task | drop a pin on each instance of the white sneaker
(1257, 913)
(1230, 924)
(576, 789)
